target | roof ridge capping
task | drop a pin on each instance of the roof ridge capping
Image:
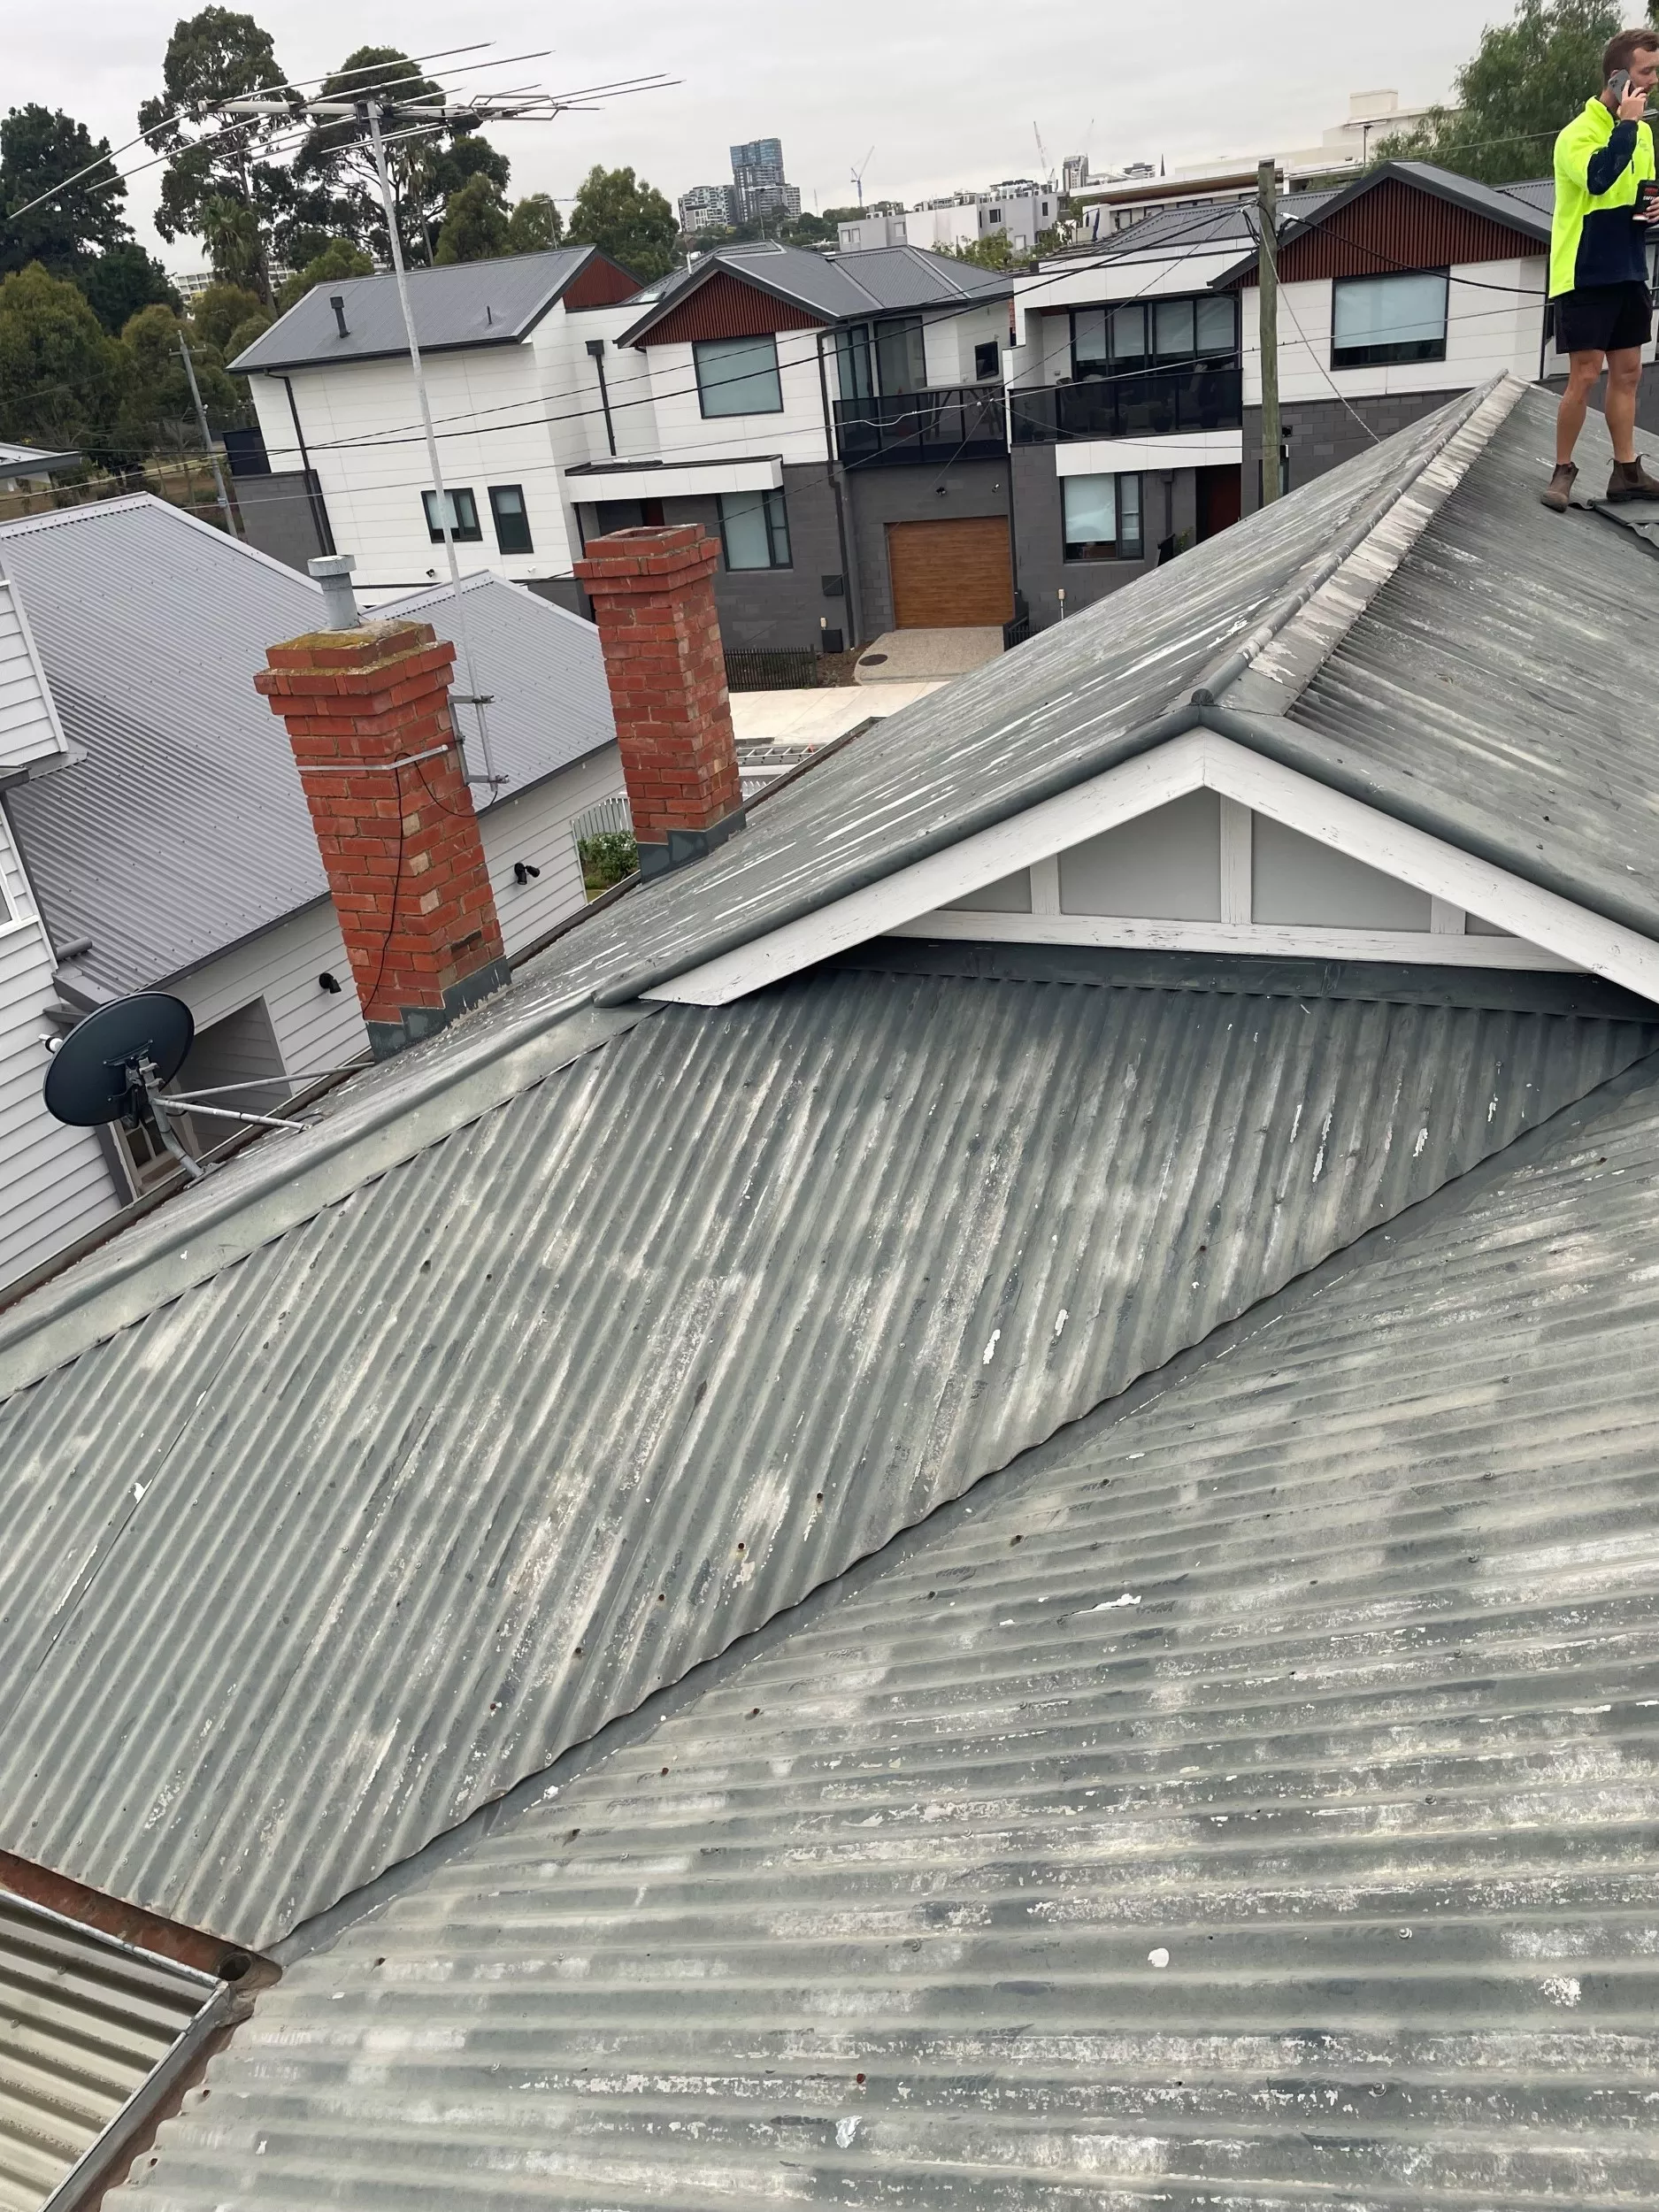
(1354, 568)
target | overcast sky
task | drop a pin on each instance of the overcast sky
(947, 97)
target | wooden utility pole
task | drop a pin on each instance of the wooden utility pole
(1267, 305)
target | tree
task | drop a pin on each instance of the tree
(339, 259)
(475, 224)
(1529, 78)
(156, 408)
(41, 150)
(59, 375)
(224, 181)
(630, 221)
(993, 251)
(121, 282)
(220, 310)
(535, 224)
(334, 171)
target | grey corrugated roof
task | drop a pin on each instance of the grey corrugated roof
(184, 829)
(474, 303)
(883, 279)
(1537, 192)
(1207, 228)
(84, 2024)
(1492, 676)
(393, 1494)
(1253, 1807)
(29, 460)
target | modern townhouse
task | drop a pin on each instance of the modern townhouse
(339, 463)
(1135, 405)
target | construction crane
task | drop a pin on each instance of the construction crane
(859, 177)
(1042, 156)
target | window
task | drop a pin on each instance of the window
(738, 376)
(755, 529)
(995, 215)
(852, 359)
(626, 514)
(1110, 340)
(987, 361)
(900, 360)
(1378, 319)
(463, 518)
(512, 523)
(1103, 518)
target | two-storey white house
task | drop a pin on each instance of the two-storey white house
(1136, 382)
(154, 835)
(340, 461)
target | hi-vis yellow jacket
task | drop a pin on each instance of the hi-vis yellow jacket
(1594, 238)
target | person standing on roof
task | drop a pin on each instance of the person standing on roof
(1598, 262)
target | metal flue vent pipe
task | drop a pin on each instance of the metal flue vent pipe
(332, 571)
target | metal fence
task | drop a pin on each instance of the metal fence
(787, 668)
(962, 424)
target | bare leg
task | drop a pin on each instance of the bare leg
(1624, 379)
(1575, 402)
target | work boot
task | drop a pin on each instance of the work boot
(1560, 493)
(1631, 480)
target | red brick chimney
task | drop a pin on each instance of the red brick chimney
(653, 594)
(368, 711)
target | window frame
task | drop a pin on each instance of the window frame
(1124, 547)
(992, 375)
(1122, 320)
(1401, 352)
(775, 520)
(703, 348)
(463, 533)
(494, 493)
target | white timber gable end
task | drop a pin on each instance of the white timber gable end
(30, 736)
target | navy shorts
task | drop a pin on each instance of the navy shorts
(1603, 319)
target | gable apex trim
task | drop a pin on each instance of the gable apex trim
(1201, 759)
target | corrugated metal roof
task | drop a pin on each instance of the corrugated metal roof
(362, 1526)
(885, 279)
(1250, 1806)
(184, 829)
(474, 303)
(1491, 676)
(84, 2024)
(29, 460)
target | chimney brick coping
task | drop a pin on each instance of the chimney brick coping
(648, 559)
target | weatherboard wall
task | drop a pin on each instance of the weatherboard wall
(470, 1461)
(56, 1185)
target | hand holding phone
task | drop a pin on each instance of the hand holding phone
(1628, 102)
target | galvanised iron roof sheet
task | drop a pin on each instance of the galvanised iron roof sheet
(184, 829)
(1495, 675)
(1251, 1803)
(840, 287)
(376, 1513)
(84, 2024)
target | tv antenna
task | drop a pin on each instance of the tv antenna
(381, 118)
(858, 179)
(113, 1066)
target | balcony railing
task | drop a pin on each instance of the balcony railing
(1148, 406)
(964, 425)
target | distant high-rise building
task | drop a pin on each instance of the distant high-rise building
(706, 207)
(758, 185)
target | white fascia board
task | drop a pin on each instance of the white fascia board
(1124, 456)
(1199, 760)
(1299, 941)
(762, 475)
(37, 739)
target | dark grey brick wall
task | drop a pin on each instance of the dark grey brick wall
(1323, 434)
(1167, 510)
(774, 606)
(279, 518)
(878, 496)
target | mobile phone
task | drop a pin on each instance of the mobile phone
(1647, 200)
(1618, 84)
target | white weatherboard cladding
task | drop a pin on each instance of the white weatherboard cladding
(796, 434)
(30, 733)
(536, 827)
(1494, 314)
(362, 427)
(581, 433)
(54, 1184)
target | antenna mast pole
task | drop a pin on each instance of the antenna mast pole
(370, 111)
(221, 494)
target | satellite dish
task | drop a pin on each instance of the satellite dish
(107, 1067)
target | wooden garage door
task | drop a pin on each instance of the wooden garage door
(950, 575)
